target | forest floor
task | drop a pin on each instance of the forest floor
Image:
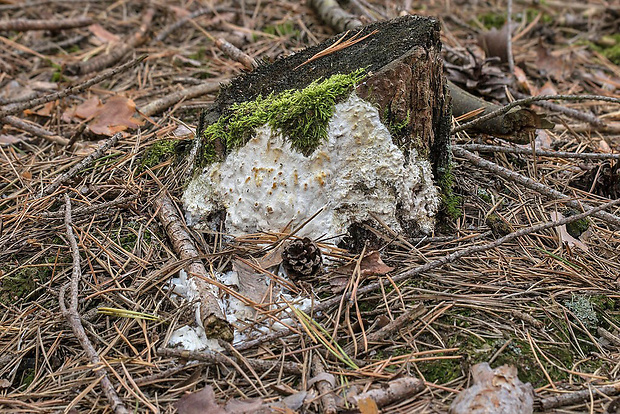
(545, 302)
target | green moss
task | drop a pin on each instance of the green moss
(282, 29)
(576, 228)
(451, 203)
(22, 283)
(159, 152)
(492, 20)
(609, 46)
(300, 115)
(440, 371)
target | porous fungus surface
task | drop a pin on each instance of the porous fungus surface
(356, 172)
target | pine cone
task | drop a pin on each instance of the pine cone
(301, 258)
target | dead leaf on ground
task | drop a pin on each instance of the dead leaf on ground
(115, 115)
(565, 237)
(252, 284)
(548, 64)
(203, 401)
(6, 140)
(371, 265)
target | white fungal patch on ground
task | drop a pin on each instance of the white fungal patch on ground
(357, 171)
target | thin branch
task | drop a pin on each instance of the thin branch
(530, 100)
(213, 357)
(22, 25)
(80, 165)
(533, 185)
(73, 317)
(578, 396)
(33, 129)
(527, 151)
(14, 109)
(167, 101)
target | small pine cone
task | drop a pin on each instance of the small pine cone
(301, 258)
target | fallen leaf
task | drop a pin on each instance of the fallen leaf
(523, 83)
(367, 406)
(252, 284)
(272, 257)
(563, 234)
(115, 115)
(6, 140)
(4, 383)
(549, 65)
(200, 402)
(371, 265)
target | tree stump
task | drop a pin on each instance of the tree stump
(351, 130)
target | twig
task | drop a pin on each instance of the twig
(571, 112)
(73, 317)
(324, 387)
(118, 52)
(393, 326)
(331, 13)
(13, 109)
(210, 314)
(213, 357)
(91, 209)
(434, 264)
(231, 50)
(533, 185)
(530, 100)
(395, 390)
(21, 25)
(511, 61)
(167, 101)
(577, 396)
(543, 153)
(35, 130)
(80, 165)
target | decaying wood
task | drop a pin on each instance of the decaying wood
(211, 315)
(395, 390)
(323, 386)
(405, 80)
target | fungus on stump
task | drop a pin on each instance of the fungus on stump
(353, 128)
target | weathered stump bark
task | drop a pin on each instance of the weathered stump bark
(404, 82)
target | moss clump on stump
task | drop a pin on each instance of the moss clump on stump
(300, 115)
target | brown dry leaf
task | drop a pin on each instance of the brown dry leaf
(272, 257)
(251, 283)
(5, 383)
(523, 83)
(6, 140)
(116, 115)
(371, 265)
(563, 234)
(106, 119)
(549, 65)
(547, 89)
(367, 406)
(102, 34)
(199, 402)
